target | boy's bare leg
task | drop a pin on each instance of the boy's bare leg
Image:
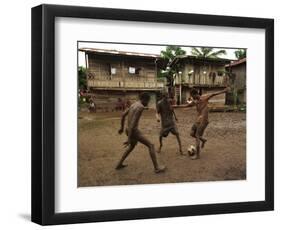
(201, 132)
(120, 164)
(203, 142)
(152, 153)
(160, 143)
(197, 155)
(179, 142)
(175, 132)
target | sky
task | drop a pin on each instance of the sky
(151, 49)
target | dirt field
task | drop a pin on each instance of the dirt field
(100, 147)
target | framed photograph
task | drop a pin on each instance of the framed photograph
(143, 114)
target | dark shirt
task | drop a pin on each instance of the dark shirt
(165, 110)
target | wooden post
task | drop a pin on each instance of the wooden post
(122, 72)
(87, 70)
(100, 73)
(180, 73)
(156, 74)
(209, 74)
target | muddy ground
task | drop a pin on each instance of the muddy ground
(100, 148)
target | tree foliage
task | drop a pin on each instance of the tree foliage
(82, 77)
(240, 54)
(169, 55)
(207, 52)
(171, 52)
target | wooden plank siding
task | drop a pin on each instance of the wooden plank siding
(109, 89)
(238, 82)
(99, 72)
(207, 75)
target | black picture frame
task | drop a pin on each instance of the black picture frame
(43, 114)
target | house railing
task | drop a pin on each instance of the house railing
(125, 84)
(202, 80)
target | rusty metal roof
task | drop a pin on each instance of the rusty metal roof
(235, 63)
(118, 52)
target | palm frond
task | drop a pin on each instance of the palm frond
(241, 53)
(196, 52)
(216, 54)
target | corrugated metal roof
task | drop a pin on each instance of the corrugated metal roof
(118, 52)
(234, 63)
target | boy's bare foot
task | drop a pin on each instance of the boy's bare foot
(160, 169)
(203, 143)
(159, 150)
(121, 166)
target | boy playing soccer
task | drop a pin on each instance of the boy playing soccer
(202, 121)
(134, 135)
(168, 118)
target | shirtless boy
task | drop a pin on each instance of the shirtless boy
(134, 135)
(202, 121)
(168, 118)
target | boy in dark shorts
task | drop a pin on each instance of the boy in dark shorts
(202, 121)
(168, 118)
(134, 135)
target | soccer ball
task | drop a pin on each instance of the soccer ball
(191, 150)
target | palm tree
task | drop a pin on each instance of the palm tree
(169, 55)
(207, 52)
(240, 53)
(171, 52)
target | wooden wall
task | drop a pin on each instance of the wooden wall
(99, 67)
(207, 74)
(238, 83)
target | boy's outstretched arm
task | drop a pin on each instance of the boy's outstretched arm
(123, 117)
(208, 96)
(188, 104)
